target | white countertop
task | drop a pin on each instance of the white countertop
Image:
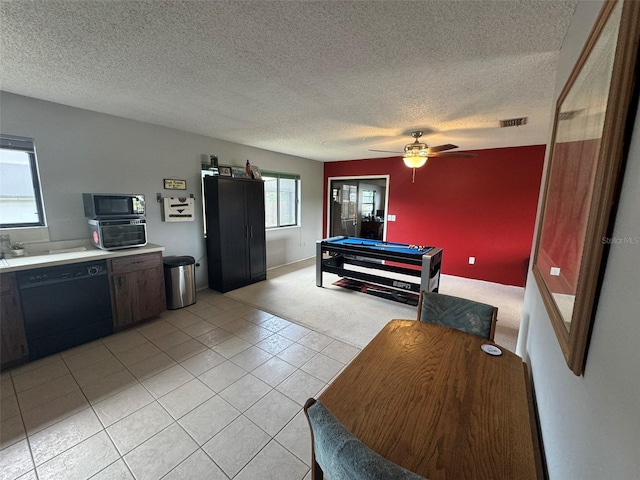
(14, 264)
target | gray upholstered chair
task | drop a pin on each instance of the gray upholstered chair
(459, 313)
(341, 456)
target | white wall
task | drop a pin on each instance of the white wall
(591, 424)
(83, 151)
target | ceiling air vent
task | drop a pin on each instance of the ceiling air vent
(569, 114)
(513, 122)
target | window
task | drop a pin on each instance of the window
(368, 203)
(281, 198)
(20, 196)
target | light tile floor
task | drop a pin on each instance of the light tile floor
(214, 391)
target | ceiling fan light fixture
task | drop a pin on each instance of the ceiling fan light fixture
(416, 153)
(416, 161)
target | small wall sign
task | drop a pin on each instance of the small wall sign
(178, 209)
(172, 184)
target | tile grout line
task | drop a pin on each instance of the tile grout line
(242, 413)
(253, 323)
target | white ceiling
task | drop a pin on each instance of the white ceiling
(326, 80)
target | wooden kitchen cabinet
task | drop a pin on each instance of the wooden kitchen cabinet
(137, 288)
(13, 348)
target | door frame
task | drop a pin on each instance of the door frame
(358, 178)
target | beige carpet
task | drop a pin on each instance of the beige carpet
(290, 292)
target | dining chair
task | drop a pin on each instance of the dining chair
(459, 313)
(341, 456)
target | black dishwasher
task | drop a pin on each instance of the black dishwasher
(65, 306)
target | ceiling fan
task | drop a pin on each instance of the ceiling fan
(416, 154)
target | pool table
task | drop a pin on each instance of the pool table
(412, 260)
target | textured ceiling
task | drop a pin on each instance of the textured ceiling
(326, 80)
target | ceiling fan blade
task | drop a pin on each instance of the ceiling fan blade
(384, 151)
(452, 154)
(442, 148)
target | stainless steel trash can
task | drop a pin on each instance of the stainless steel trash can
(180, 281)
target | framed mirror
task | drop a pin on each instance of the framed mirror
(587, 148)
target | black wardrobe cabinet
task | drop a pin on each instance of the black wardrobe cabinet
(236, 243)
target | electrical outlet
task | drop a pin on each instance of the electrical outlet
(391, 218)
(472, 260)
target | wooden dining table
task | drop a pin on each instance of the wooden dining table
(428, 398)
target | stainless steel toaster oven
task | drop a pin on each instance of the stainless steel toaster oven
(115, 234)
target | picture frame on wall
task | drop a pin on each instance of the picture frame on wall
(224, 171)
(586, 160)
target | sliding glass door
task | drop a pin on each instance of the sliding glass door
(357, 207)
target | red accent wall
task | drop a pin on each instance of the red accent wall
(483, 207)
(573, 171)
